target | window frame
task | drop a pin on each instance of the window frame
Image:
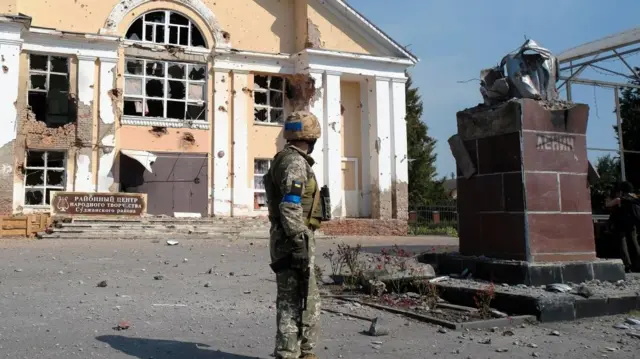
(167, 26)
(258, 190)
(48, 72)
(268, 106)
(44, 187)
(165, 98)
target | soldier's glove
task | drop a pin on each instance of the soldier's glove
(299, 253)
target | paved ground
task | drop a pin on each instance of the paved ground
(51, 308)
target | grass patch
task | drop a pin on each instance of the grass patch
(441, 229)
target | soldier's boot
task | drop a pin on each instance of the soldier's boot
(309, 356)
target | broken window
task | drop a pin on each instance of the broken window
(165, 90)
(44, 173)
(49, 89)
(260, 168)
(268, 99)
(166, 28)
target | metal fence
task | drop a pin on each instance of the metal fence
(437, 218)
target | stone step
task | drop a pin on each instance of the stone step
(146, 230)
(216, 220)
(163, 235)
(138, 236)
(144, 226)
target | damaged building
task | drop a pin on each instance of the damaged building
(184, 100)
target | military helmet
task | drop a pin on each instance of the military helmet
(301, 126)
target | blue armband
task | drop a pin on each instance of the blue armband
(295, 193)
(292, 198)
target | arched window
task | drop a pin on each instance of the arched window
(166, 28)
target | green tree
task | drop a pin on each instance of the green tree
(424, 187)
(608, 168)
(630, 113)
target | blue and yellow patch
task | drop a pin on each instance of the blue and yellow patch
(295, 193)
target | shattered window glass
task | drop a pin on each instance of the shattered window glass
(135, 31)
(166, 28)
(165, 90)
(197, 72)
(178, 19)
(195, 112)
(38, 62)
(48, 95)
(261, 82)
(260, 168)
(196, 92)
(260, 115)
(134, 67)
(156, 16)
(155, 68)
(59, 64)
(35, 159)
(177, 90)
(38, 82)
(268, 98)
(133, 86)
(177, 71)
(45, 173)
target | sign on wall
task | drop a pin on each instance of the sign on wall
(98, 204)
(560, 143)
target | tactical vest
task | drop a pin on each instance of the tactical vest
(311, 209)
(310, 202)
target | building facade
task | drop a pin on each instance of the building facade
(184, 100)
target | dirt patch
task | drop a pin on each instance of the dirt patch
(417, 304)
(365, 227)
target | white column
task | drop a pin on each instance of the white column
(221, 189)
(400, 173)
(365, 203)
(380, 146)
(107, 83)
(11, 188)
(331, 126)
(317, 107)
(86, 79)
(106, 118)
(242, 199)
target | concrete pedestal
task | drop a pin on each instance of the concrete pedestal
(528, 200)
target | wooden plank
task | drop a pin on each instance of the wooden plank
(20, 226)
(29, 225)
(14, 233)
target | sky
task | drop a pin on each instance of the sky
(455, 39)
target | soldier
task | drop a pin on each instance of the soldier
(295, 213)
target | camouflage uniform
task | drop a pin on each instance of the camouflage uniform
(294, 210)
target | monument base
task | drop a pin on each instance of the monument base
(522, 272)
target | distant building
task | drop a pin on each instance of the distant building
(184, 100)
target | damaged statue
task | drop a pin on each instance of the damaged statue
(531, 72)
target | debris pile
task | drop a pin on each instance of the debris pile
(529, 72)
